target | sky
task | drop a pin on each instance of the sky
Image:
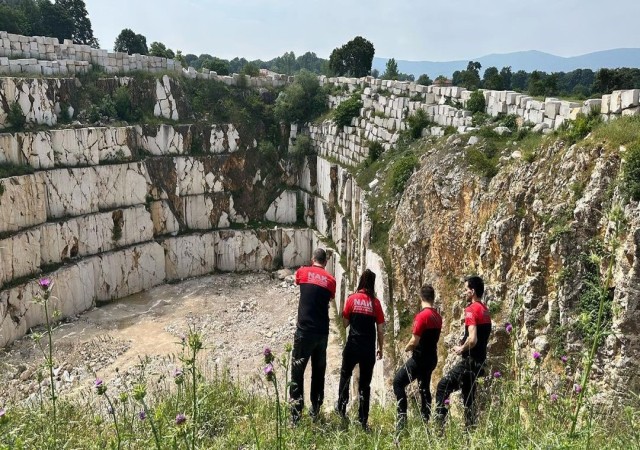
(415, 30)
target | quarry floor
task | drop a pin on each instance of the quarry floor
(238, 315)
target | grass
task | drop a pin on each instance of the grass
(515, 413)
(622, 131)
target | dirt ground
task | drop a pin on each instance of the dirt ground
(238, 315)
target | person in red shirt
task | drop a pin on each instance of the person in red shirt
(473, 350)
(364, 316)
(424, 347)
(317, 288)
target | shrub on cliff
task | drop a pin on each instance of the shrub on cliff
(401, 171)
(417, 122)
(476, 103)
(631, 173)
(16, 117)
(347, 110)
(302, 100)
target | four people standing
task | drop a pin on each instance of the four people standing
(364, 316)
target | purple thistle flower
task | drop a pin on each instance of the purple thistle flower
(497, 374)
(268, 356)
(177, 373)
(508, 327)
(577, 388)
(447, 401)
(100, 387)
(554, 397)
(2, 412)
(180, 419)
(537, 356)
(45, 283)
(268, 372)
(142, 415)
(564, 358)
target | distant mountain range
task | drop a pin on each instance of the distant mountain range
(529, 61)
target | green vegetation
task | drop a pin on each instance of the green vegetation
(8, 169)
(302, 148)
(302, 100)
(352, 59)
(400, 172)
(417, 122)
(375, 151)
(347, 110)
(631, 173)
(130, 42)
(578, 129)
(16, 117)
(476, 103)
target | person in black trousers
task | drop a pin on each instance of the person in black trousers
(424, 344)
(364, 316)
(473, 351)
(317, 288)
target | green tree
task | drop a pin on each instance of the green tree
(492, 79)
(391, 70)
(477, 102)
(250, 69)
(82, 30)
(219, 66)
(520, 80)
(505, 75)
(130, 42)
(302, 100)
(310, 61)
(352, 59)
(13, 20)
(159, 49)
(470, 78)
(53, 20)
(424, 80)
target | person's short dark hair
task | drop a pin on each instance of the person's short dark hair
(476, 283)
(427, 293)
(367, 283)
(320, 256)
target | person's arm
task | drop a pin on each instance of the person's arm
(345, 322)
(380, 329)
(413, 343)
(470, 342)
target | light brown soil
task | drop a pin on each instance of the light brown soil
(237, 314)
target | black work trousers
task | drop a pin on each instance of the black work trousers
(307, 346)
(462, 376)
(365, 358)
(414, 370)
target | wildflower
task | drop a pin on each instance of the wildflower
(180, 419)
(101, 388)
(139, 392)
(554, 397)
(508, 327)
(577, 388)
(537, 356)
(268, 372)
(110, 410)
(2, 412)
(288, 347)
(142, 415)
(497, 374)
(268, 356)
(178, 376)
(564, 358)
(447, 401)
(45, 283)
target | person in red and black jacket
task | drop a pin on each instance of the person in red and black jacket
(364, 316)
(424, 344)
(473, 349)
(317, 288)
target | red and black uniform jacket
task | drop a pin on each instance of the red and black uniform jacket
(427, 324)
(477, 314)
(363, 313)
(317, 288)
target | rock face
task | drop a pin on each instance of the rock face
(526, 233)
